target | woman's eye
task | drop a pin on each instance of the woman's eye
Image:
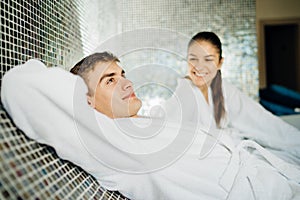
(209, 60)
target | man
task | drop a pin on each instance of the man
(40, 100)
(109, 92)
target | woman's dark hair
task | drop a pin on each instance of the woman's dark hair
(216, 85)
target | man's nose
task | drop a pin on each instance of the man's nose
(126, 84)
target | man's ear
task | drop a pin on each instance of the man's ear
(90, 101)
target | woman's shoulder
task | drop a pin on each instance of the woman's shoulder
(230, 90)
(228, 86)
(185, 88)
(184, 81)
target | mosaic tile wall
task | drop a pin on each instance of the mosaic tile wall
(44, 29)
(232, 20)
(101, 22)
(61, 32)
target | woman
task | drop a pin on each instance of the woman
(207, 99)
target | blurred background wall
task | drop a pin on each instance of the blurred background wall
(60, 33)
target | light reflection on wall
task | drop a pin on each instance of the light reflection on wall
(154, 73)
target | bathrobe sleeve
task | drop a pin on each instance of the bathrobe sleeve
(49, 106)
(254, 122)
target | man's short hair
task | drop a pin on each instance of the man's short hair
(88, 63)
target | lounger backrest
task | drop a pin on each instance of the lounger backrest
(29, 170)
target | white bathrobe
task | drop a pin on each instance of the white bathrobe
(245, 118)
(142, 158)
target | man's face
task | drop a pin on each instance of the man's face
(111, 93)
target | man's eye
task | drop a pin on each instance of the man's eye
(109, 81)
(209, 60)
(193, 59)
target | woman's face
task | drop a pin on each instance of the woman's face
(203, 63)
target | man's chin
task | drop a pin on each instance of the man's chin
(132, 108)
